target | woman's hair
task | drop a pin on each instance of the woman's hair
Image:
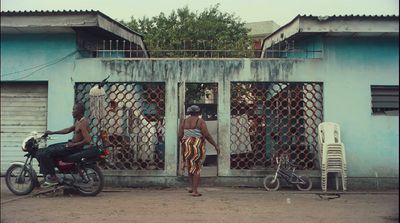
(193, 110)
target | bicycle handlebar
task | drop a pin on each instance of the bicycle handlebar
(284, 160)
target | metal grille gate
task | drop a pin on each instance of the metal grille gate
(270, 119)
(133, 121)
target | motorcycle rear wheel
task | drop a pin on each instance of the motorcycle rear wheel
(20, 185)
(92, 181)
(270, 184)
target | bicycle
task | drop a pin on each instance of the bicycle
(272, 182)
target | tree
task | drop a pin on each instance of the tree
(183, 33)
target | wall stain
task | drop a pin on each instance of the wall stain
(275, 70)
(200, 70)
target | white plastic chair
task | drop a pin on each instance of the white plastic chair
(332, 154)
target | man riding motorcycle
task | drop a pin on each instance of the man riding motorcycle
(80, 138)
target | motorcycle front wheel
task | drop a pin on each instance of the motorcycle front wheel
(270, 184)
(20, 180)
(91, 182)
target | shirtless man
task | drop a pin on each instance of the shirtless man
(81, 137)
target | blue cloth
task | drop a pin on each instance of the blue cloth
(192, 133)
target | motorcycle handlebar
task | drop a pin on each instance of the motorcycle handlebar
(44, 136)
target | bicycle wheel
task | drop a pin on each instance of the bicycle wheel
(270, 184)
(306, 185)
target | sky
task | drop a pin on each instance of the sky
(280, 11)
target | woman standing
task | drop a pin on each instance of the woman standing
(192, 134)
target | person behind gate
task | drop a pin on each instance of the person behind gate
(80, 138)
(192, 132)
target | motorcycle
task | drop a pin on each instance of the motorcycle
(78, 171)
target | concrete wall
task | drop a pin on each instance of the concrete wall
(353, 65)
(347, 69)
(371, 141)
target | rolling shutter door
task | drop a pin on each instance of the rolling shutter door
(23, 110)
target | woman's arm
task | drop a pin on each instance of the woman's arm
(180, 133)
(206, 134)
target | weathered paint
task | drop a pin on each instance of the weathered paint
(371, 141)
(346, 94)
(19, 52)
(347, 69)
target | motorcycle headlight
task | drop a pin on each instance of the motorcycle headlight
(28, 144)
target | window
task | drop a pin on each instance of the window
(385, 100)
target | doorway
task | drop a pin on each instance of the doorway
(204, 95)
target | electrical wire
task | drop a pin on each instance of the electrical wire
(42, 66)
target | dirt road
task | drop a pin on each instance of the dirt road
(216, 205)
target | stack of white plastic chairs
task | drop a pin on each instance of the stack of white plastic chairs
(332, 154)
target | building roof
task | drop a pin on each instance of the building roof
(263, 28)
(66, 21)
(336, 25)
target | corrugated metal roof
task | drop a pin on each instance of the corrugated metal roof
(331, 17)
(366, 25)
(8, 13)
(351, 16)
(122, 30)
(325, 18)
(64, 12)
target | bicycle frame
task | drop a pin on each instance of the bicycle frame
(290, 177)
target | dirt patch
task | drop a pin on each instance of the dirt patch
(216, 205)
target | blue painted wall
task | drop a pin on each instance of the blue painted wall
(310, 47)
(20, 52)
(352, 65)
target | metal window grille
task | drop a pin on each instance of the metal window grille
(194, 49)
(133, 122)
(385, 100)
(271, 119)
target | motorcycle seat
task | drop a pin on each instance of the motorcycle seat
(85, 153)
